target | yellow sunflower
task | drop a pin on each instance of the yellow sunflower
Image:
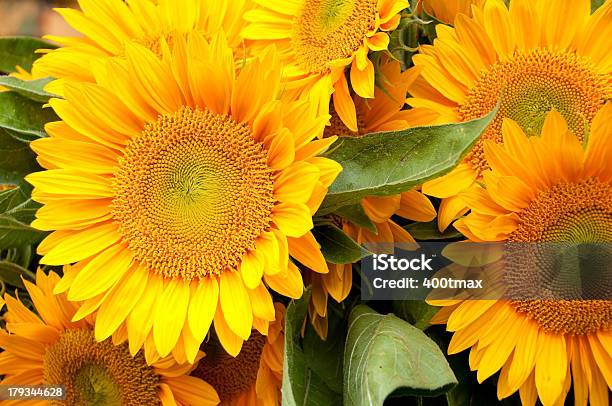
(319, 39)
(446, 10)
(51, 349)
(107, 25)
(537, 55)
(255, 376)
(178, 187)
(541, 189)
(383, 113)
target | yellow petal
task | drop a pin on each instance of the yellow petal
(293, 219)
(202, 307)
(307, 251)
(499, 27)
(378, 42)
(296, 183)
(280, 148)
(235, 304)
(190, 390)
(120, 302)
(170, 315)
(288, 283)
(261, 301)
(344, 104)
(551, 368)
(414, 205)
(251, 268)
(231, 342)
(362, 80)
(450, 209)
(140, 320)
(451, 184)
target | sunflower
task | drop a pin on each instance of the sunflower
(179, 188)
(541, 346)
(52, 349)
(319, 39)
(383, 113)
(254, 377)
(532, 57)
(108, 25)
(446, 10)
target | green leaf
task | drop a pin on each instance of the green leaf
(388, 163)
(23, 116)
(32, 89)
(384, 354)
(16, 158)
(324, 357)
(20, 51)
(11, 198)
(14, 233)
(301, 385)
(429, 231)
(336, 246)
(415, 312)
(16, 212)
(595, 4)
(356, 215)
(11, 273)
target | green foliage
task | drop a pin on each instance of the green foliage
(356, 215)
(415, 312)
(31, 89)
(24, 118)
(385, 355)
(302, 386)
(11, 274)
(429, 231)
(20, 51)
(336, 246)
(325, 357)
(392, 162)
(16, 212)
(595, 4)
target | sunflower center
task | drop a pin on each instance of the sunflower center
(328, 30)
(231, 376)
(192, 194)
(570, 213)
(99, 373)
(531, 83)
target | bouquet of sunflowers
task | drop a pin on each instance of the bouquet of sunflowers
(187, 188)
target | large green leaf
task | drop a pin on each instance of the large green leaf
(324, 357)
(12, 273)
(384, 354)
(16, 158)
(24, 118)
(32, 89)
(430, 232)
(14, 233)
(415, 312)
(301, 385)
(16, 213)
(356, 215)
(20, 51)
(392, 162)
(336, 246)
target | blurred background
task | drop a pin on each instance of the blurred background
(33, 17)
